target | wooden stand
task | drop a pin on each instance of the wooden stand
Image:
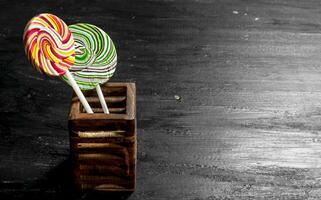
(103, 146)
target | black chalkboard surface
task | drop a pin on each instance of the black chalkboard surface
(228, 98)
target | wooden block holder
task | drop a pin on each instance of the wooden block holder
(103, 146)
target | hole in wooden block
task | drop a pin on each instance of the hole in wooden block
(102, 170)
(103, 129)
(115, 98)
(99, 182)
(108, 91)
(99, 134)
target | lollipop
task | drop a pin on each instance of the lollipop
(49, 46)
(95, 60)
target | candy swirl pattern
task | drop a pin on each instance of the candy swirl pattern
(96, 57)
(49, 44)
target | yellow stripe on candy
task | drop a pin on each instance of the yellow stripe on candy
(64, 52)
(51, 56)
(70, 60)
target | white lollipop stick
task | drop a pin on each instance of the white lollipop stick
(78, 92)
(102, 99)
(100, 93)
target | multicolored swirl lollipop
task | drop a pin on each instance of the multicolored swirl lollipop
(96, 58)
(49, 46)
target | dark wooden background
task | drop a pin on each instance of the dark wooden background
(248, 125)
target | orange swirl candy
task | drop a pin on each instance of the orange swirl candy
(49, 44)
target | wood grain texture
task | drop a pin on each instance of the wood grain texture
(248, 122)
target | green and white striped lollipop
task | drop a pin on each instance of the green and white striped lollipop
(95, 60)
